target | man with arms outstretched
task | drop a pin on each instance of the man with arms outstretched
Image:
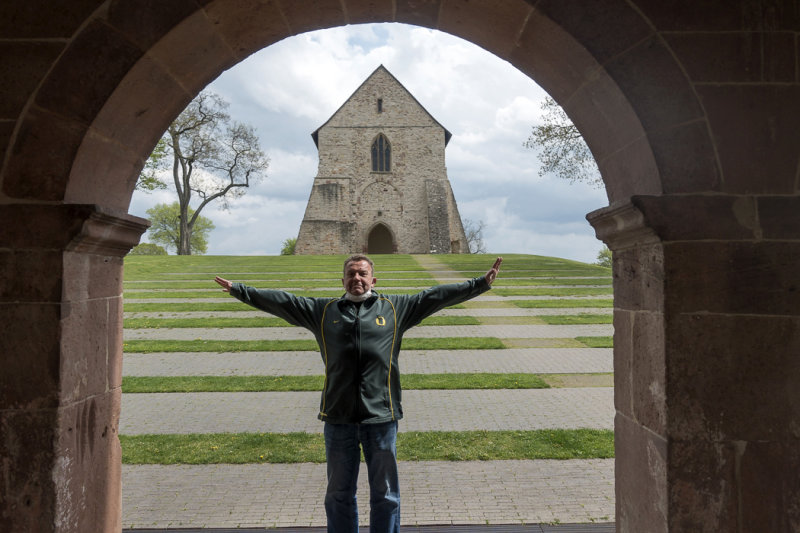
(359, 337)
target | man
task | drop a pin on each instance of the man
(359, 336)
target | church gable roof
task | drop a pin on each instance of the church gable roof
(356, 99)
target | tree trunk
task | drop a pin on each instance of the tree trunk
(185, 244)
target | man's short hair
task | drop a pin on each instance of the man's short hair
(355, 258)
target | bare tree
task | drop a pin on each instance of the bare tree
(562, 150)
(213, 158)
(473, 230)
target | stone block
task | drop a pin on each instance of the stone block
(88, 471)
(84, 349)
(733, 277)
(141, 108)
(756, 146)
(28, 457)
(648, 371)
(623, 361)
(193, 53)
(641, 478)
(6, 131)
(733, 376)
(41, 157)
(778, 217)
(702, 485)
(639, 278)
(144, 22)
(419, 13)
(655, 85)
(91, 276)
(103, 173)
(87, 72)
(29, 356)
(366, 11)
(115, 348)
(22, 67)
(720, 15)
(472, 21)
(26, 20)
(684, 155)
(307, 15)
(248, 26)
(604, 117)
(30, 276)
(552, 57)
(606, 29)
(697, 218)
(630, 170)
(769, 487)
(741, 57)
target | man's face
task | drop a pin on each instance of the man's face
(358, 278)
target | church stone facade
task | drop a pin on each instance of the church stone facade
(381, 185)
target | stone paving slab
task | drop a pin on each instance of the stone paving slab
(515, 360)
(292, 333)
(425, 410)
(432, 492)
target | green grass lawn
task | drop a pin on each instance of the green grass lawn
(439, 343)
(484, 381)
(191, 278)
(244, 448)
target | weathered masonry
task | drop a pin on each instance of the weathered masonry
(691, 110)
(382, 185)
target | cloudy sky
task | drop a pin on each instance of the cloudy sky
(290, 89)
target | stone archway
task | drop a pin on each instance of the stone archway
(690, 110)
(380, 240)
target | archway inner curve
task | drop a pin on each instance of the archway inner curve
(565, 63)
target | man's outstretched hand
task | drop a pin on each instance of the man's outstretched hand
(226, 285)
(492, 274)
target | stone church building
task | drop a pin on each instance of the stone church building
(381, 186)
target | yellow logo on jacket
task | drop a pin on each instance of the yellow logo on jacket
(380, 321)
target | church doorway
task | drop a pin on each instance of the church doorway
(380, 240)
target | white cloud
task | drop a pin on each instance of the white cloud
(291, 88)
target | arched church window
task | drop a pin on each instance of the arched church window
(381, 154)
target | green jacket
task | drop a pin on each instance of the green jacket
(360, 344)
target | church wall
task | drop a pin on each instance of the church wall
(398, 198)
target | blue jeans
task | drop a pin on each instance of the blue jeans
(344, 457)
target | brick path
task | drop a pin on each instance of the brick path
(433, 492)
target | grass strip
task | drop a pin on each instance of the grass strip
(440, 343)
(179, 307)
(245, 448)
(560, 304)
(568, 320)
(597, 342)
(263, 322)
(152, 384)
(566, 291)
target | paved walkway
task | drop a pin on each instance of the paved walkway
(425, 410)
(515, 360)
(434, 492)
(292, 333)
(290, 495)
